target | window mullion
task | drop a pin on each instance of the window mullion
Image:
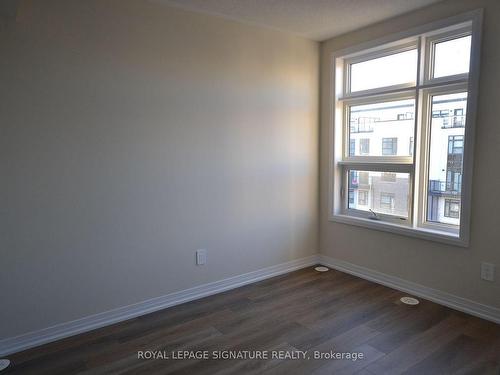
(417, 131)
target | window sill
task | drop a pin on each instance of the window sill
(422, 233)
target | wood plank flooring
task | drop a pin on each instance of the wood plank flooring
(301, 311)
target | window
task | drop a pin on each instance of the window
(405, 116)
(371, 187)
(389, 146)
(362, 197)
(456, 144)
(387, 202)
(380, 118)
(440, 113)
(364, 146)
(420, 188)
(363, 79)
(453, 181)
(452, 208)
(364, 178)
(388, 177)
(458, 117)
(351, 196)
(452, 56)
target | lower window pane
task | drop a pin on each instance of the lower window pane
(381, 192)
(446, 158)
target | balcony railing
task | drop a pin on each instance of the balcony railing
(363, 125)
(453, 122)
(437, 187)
(361, 128)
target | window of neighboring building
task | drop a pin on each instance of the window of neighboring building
(389, 146)
(453, 182)
(364, 146)
(452, 208)
(363, 178)
(388, 177)
(456, 144)
(352, 147)
(376, 91)
(387, 201)
(351, 196)
(362, 197)
(458, 117)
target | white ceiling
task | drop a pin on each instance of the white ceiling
(313, 19)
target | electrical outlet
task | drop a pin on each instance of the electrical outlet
(201, 257)
(487, 271)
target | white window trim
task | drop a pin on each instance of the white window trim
(340, 94)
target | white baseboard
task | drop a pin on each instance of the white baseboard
(88, 323)
(443, 298)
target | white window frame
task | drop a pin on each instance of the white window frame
(423, 38)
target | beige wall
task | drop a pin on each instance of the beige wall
(131, 135)
(447, 268)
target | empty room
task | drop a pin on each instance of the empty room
(250, 187)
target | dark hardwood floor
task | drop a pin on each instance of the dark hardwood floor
(301, 311)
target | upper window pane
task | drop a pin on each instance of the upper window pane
(382, 129)
(452, 57)
(384, 71)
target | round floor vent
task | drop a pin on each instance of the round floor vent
(410, 301)
(321, 269)
(4, 363)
